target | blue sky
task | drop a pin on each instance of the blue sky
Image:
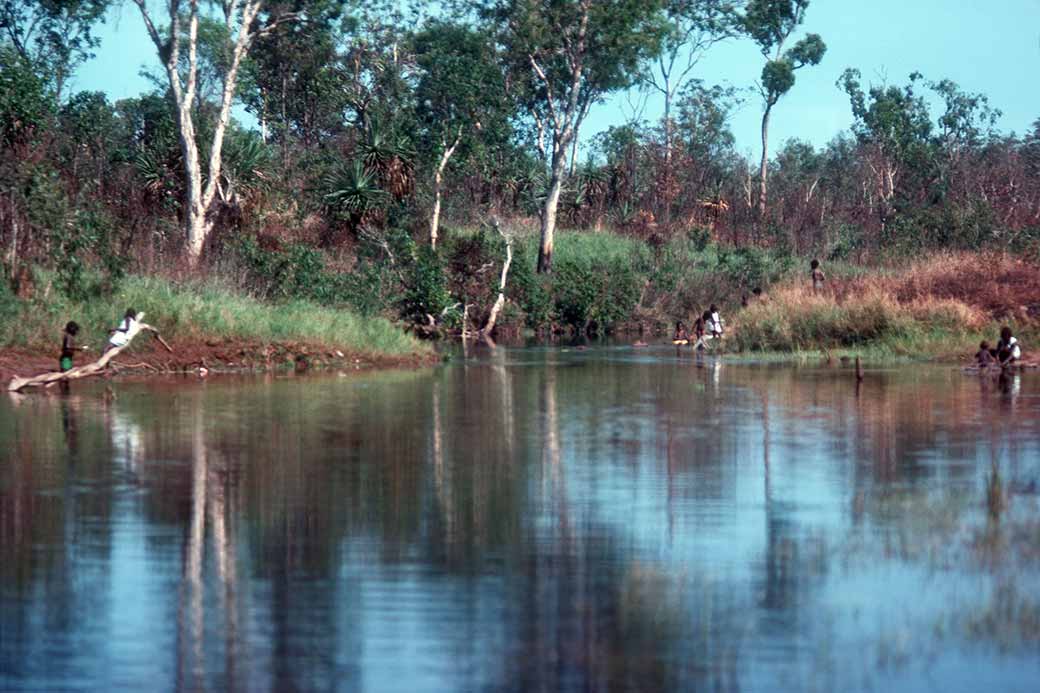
(988, 47)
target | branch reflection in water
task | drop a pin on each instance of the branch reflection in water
(532, 519)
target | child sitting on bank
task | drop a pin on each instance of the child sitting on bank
(121, 335)
(1008, 350)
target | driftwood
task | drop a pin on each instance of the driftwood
(89, 369)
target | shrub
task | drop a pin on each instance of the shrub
(426, 289)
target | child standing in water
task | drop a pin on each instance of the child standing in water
(818, 277)
(681, 336)
(984, 357)
(120, 335)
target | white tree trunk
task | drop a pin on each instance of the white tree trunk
(438, 178)
(198, 201)
(552, 202)
(763, 171)
(501, 300)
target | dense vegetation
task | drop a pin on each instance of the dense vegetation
(370, 128)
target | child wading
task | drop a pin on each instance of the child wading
(1008, 350)
(681, 336)
(120, 335)
(818, 277)
(984, 357)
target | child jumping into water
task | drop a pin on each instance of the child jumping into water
(120, 335)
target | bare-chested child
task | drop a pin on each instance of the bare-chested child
(681, 336)
(818, 277)
(984, 357)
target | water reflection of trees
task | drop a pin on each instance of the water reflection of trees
(551, 487)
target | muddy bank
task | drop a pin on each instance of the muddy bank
(215, 356)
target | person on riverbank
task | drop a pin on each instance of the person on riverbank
(714, 321)
(121, 335)
(681, 336)
(818, 277)
(68, 346)
(1008, 349)
(984, 357)
(68, 350)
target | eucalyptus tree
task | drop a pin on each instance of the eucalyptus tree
(770, 24)
(564, 55)
(55, 36)
(460, 95)
(894, 129)
(295, 82)
(692, 27)
(244, 21)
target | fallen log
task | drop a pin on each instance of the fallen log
(89, 369)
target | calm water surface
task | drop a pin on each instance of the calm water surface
(526, 520)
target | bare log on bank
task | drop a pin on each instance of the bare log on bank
(89, 369)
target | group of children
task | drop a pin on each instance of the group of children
(119, 336)
(1006, 353)
(708, 326)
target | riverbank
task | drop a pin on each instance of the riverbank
(205, 324)
(936, 308)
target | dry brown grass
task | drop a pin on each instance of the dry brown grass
(1001, 286)
(943, 302)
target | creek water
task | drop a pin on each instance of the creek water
(526, 519)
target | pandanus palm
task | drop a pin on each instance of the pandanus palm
(351, 194)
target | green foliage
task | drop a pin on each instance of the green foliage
(461, 91)
(751, 267)
(299, 272)
(590, 291)
(350, 192)
(425, 290)
(54, 36)
(26, 104)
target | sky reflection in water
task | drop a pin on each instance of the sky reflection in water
(526, 519)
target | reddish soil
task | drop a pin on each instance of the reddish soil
(217, 356)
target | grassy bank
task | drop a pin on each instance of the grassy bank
(200, 311)
(937, 307)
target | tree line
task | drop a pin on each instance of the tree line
(358, 122)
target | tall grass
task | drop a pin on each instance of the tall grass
(203, 311)
(792, 318)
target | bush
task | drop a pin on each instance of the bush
(298, 272)
(426, 289)
(589, 292)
